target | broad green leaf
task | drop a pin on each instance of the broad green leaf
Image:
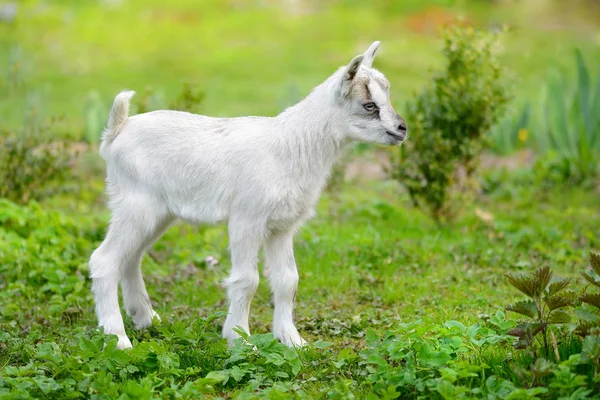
(87, 346)
(282, 374)
(532, 284)
(558, 285)
(525, 307)
(237, 373)
(590, 352)
(216, 376)
(455, 324)
(557, 301)
(586, 315)
(542, 367)
(371, 338)
(595, 262)
(591, 278)
(320, 344)
(290, 354)
(559, 317)
(431, 358)
(593, 299)
(521, 282)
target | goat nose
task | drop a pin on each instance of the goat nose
(402, 126)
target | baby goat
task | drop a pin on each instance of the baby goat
(261, 175)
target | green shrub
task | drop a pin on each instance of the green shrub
(189, 99)
(149, 100)
(32, 164)
(448, 121)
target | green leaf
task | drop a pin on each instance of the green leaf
(592, 299)
(455, 324)
(542, 367)
(237, 373)
(371, 338)
(559, 317)
(591, 278)
(586, 315)
(87, 346)
(525, 307)
(430, 358)
(533, 284)
(320, 344)
(216, 376)
(595, 260)
(557, 286)
(590, 352)
(557, 301)
(290, 354)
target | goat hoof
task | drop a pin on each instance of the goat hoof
(124, 343)
(144, 320)
(292, 339)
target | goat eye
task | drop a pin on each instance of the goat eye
(370, 106)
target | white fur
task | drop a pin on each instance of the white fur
(263, 176)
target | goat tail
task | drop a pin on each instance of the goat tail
(118, 115)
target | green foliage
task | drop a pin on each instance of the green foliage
(589, 318)
(29, 250)
(449, 120)
(544, 308)
(149, 100)
(569, 122)
(510, 132)
(95, 115)
(49, 346)
(189, 99)
(33, 164)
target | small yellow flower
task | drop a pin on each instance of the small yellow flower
(522, 134)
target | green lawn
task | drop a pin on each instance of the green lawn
(369, 260)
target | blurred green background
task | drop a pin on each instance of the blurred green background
(258, 56)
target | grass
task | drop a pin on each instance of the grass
(369, 263)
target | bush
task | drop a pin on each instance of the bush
(448, 121)
(32, 164)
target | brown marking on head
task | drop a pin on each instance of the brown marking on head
(360, 89)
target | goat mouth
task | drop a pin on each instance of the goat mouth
(396, 136)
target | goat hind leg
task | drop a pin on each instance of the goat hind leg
(135, 297)
(125, 240)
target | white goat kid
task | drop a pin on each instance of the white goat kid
(263, 176)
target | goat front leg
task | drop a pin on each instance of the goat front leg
(244, 242)
(283, 276)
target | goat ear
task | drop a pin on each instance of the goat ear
(370, 53)
(349, 74)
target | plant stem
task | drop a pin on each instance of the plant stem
(554, 345)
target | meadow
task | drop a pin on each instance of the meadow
(392, 303)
